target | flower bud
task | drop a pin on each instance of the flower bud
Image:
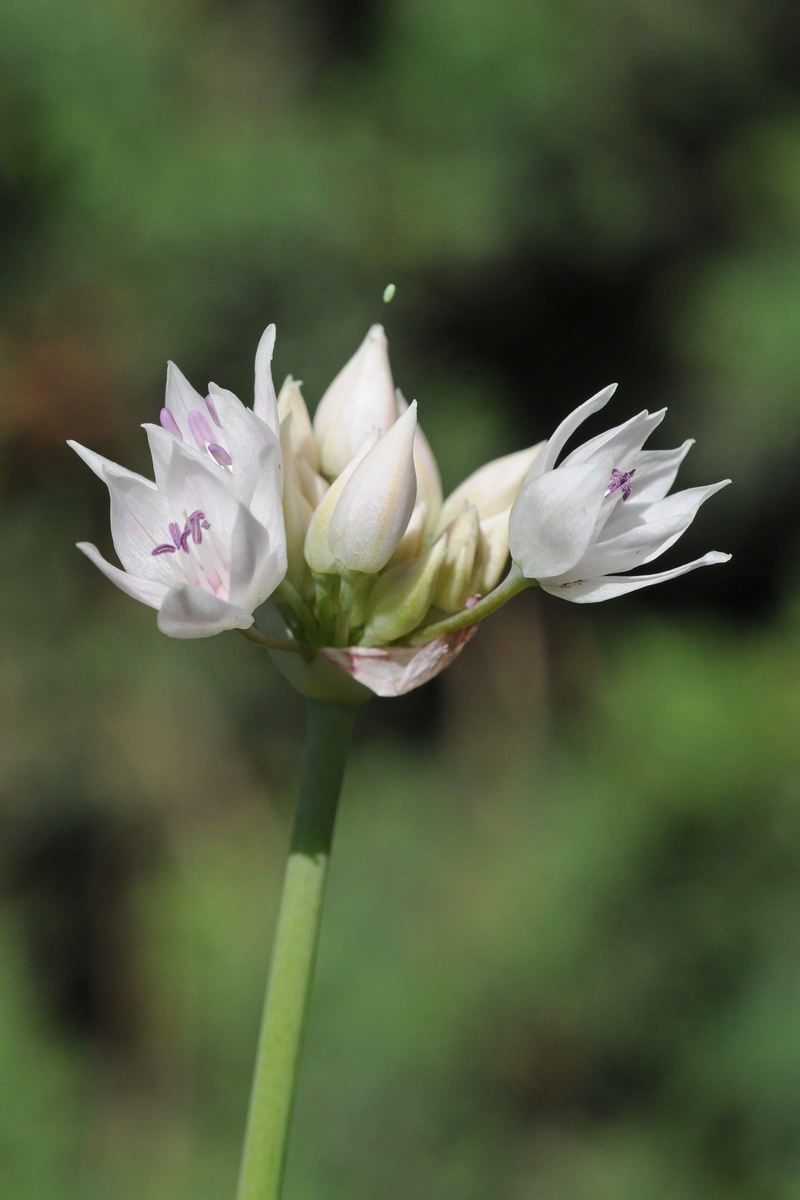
(401, 596)
(455, 583)
(290, 400)
(317, 550)
(297, 512)
(429, 481)
(375, 506)
(491, 488)
(360, 399)
(492, 553)
(410, 543)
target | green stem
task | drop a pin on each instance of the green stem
(288, 594)
(514, 582)
(327, 738)
(347, 594)
(271, 643)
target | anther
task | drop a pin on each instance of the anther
(220, 454)
(213, 412)
(201, 430)
(169, 423)
(620, 479)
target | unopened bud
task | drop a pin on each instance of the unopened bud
(376, 503)
(429, 481)
(360, 399)
(401, 597)
(297, 512)
(455, 582)
(491, 488)
(317, 549)
(410, 543)
(492, 554)
(290, 400)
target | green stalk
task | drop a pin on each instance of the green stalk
(329, 727)
(514, 582)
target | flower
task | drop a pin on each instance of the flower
(205, 543)
(603, 509)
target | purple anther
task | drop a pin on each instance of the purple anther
(620, 479)
(195, 524)
(164, 548)
(169, 423)
(220, 454)
(213, 412)
(471, 601)
(179, 536)
(201, 430)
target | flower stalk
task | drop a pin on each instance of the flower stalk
(328, 732)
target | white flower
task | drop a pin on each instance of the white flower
(205, 543)
(604, 509)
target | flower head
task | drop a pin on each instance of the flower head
(205, 543)
(603, 509)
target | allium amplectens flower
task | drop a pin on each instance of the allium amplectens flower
(342, 521)
(205, 543)
(603, 509)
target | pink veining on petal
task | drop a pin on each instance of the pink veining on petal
(395, 670)
(169, 423)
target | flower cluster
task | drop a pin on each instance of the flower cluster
(342, 520)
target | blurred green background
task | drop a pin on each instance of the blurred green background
(561, 957)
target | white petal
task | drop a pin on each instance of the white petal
(360, 399)
(161, 443)
(97, 463)
(192, 485)
(145, 590)
(553, 519)
(429, 481)
(547, 459)
(682, 506)
(181, 398)
(265, 404)
(622, 444)
(492, 488)
(256, 569)
(189, 612)
(656, 471)
(290, 401)
(592, 591)
(140, 520)
(376, 503)
(246, 435)
(266, 503)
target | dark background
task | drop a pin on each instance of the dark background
(561, 953)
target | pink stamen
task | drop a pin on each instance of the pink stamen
(164, 548)
(220, 454)
(201, 430)
(169, 423)
(213, 412)
(620, 479)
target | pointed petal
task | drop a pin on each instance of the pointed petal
(291, 401)
(145, 590)
(246, 435)
(553, 519)
(161, 443)
(621, 444)
(656, 471)
(139, 522)
(97, 463)
(547, 459)
(266, 504)
(181, 399)
(680, 508)
(592, 591)
(189, 612)
(265, 404)
(256, 568)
